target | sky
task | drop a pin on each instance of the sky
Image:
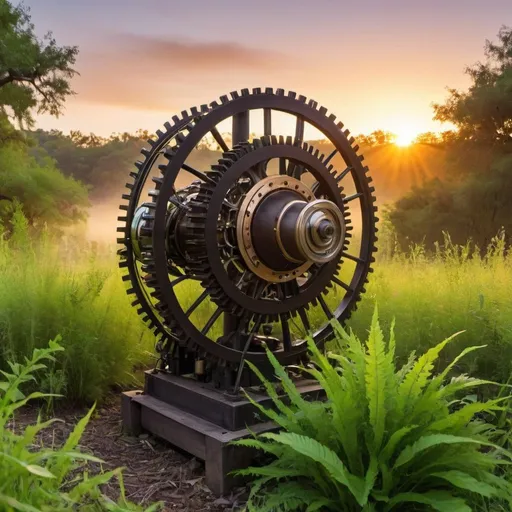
(375, 64)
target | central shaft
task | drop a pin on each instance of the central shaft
(282, 229)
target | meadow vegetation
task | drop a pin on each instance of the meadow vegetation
(41, 478)
(388, 438)
(50, 288)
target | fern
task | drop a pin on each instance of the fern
(385, 439)
(33, 479)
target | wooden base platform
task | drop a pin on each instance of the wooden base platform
(201, 420)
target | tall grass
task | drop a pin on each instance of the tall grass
(433, 295)
(49, 288)
(47, 291)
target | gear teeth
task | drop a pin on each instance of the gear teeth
(332, 117)
(346, 133)
(302, 99)
(152, 142)
(224, 99)
(340, 125)
(234, 95)
(245, 92)
(129, 185)
(289, 140)
(313, 104)
(194, 111)
(356, 148)
(126, 196)
(159, 134)
(169, 153)
(269, 90)
(292, 95)
(139, 164)
(256, 90)
(323, 111)
(279, 92)
(265, 140)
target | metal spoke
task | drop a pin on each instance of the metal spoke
(325, 307)
(299, 129)
(353, 258)
(254, 330)
(305, 320)
(198, 174)
(179, 280)
(212, 320)
(345, 286)
(196, 304)
(298, 171)
(343, 174)
(352, 197)
(219, 140)
(267, 121)
(330, 157)
(240, 129)
(282, 166)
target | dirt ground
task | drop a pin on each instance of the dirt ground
(154, 471)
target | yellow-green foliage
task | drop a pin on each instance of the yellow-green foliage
(47, 289)
(432, 296)
(38, 478)
(387, 438)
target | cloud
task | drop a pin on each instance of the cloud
(152, 73)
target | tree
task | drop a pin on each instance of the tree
(484, 112)
(34, 73)
(427, 138)
(474, 199)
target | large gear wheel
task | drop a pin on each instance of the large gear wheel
(263, 235)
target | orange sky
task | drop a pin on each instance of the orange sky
(374, 64)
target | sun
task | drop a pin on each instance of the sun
(405, 136)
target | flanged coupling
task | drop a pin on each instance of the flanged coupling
(312, 232)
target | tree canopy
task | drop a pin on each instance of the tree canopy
(34, 73)
(483, 113)
(473, 201)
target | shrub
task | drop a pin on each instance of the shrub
(42, 479)
(385, 439)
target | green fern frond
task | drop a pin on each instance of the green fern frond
(327, 458)
(377, 374)
(441, 501)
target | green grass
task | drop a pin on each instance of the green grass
(48, 289)
(433, 296)
(74, 290)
